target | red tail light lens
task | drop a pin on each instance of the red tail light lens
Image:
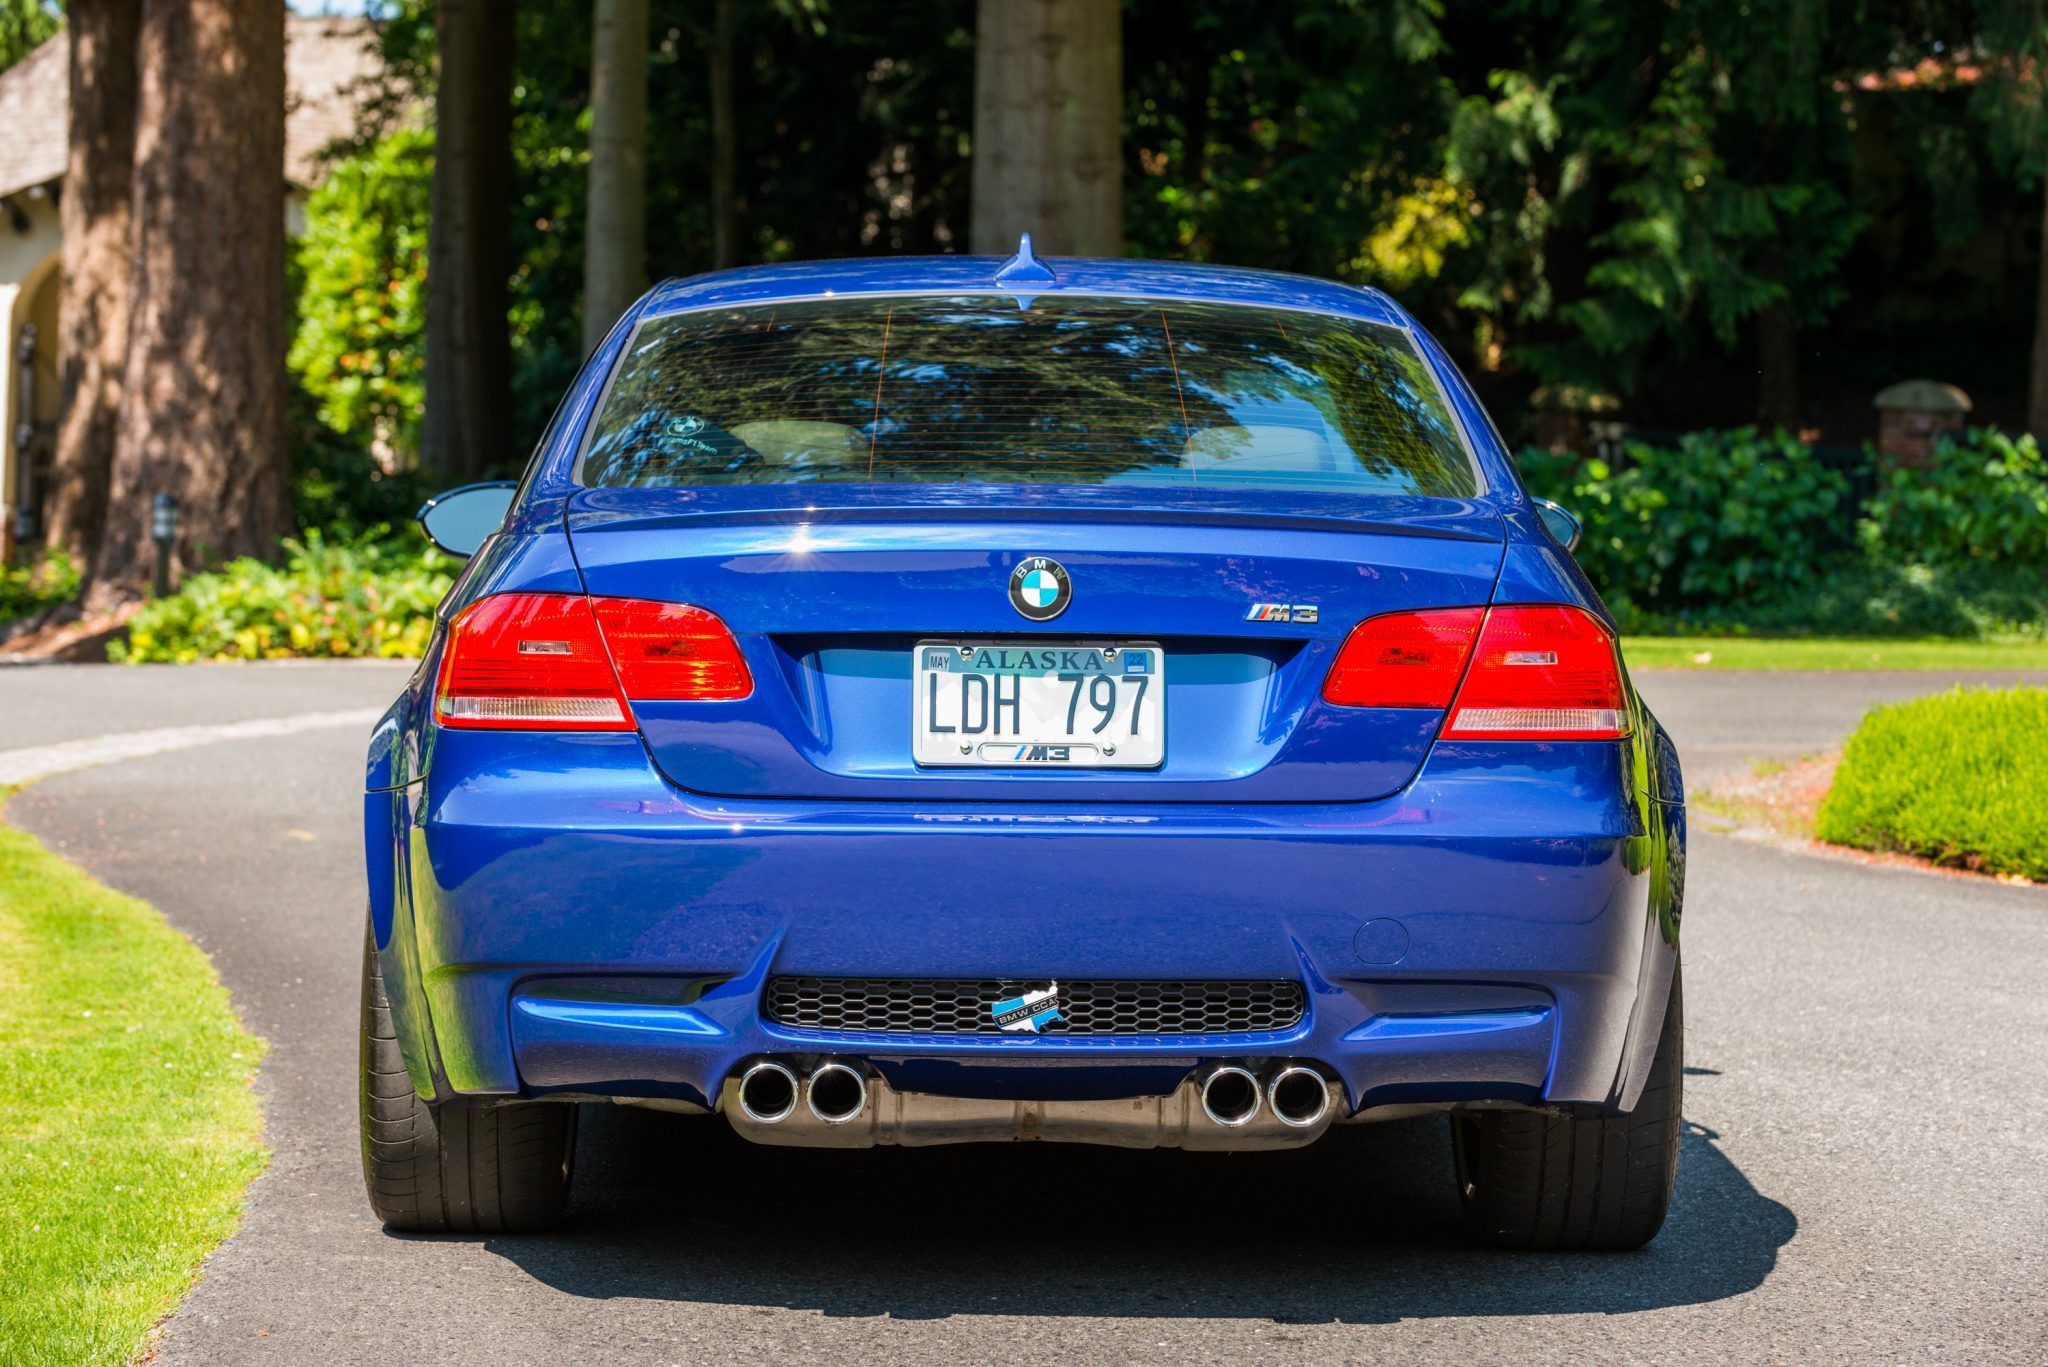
(1404, 659)
(1541, 673)
(1535, 672)
(528, 661)
(563, 662)
(670, 650)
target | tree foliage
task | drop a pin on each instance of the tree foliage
(24, 24)
(361, 267)
(1609, 196)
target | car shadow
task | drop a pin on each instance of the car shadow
(1360, 1228)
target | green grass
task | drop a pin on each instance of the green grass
(1960, 778)
(127, 1127)
(1751, 652)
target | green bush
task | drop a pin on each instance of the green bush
(1875, 597)
(328, 601)
(1720, 518)
(1983, 499)
(1961, 778)
(41, 583)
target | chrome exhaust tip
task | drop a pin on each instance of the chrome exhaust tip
(1299, 1096)
(837, 1093)
(768, 1093)
(1230, 1096)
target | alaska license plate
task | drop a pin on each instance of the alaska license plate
(1001, 705)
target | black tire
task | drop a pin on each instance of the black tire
(454, 1169)
(1561, 1182)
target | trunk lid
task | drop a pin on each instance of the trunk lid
(829, 604)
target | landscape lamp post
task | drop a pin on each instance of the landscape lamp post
(163, 529)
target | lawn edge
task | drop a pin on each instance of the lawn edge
(151, 1337)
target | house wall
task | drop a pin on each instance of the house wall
(31, 287)
(28, 294)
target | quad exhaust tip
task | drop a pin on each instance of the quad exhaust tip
(838, 1092)
(1231, 1096)
(768, 1093)
(1299, 1096)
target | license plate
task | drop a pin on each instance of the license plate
(1005, 705)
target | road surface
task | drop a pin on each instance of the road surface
(1867, 1107)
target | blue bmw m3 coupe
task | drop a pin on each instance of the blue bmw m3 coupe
(924, 701)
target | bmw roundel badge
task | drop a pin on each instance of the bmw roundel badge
(1040, 588)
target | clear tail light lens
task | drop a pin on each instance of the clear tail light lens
(1541, 673)
(557, 662)
(1519, 672)
(1404, 659)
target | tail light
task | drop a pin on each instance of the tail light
(1404, 659)
(670, 650)
(1541, 673)
(556, 662)
(1534, 672)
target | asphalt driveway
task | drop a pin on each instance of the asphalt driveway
(1867, 1107)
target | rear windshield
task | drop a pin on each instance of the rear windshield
(1052, 390)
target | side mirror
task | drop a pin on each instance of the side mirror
(1560, 521)
(458, 521)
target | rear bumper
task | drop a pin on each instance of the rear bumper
(565, 921)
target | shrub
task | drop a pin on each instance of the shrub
(1873, 596)
(1983, 499)
(42, 583)
(328, 601)
(1961, 778)
(1722, 517)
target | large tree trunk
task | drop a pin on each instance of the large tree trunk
(1048, 123)
(1777, 345)
(2037, 387)
(99, 178)
(725, 205)
(203, 394)
(467, 427)
(615, 245)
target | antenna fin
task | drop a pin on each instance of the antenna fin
(1024, 268)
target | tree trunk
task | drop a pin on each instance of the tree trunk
(203, 390)
(2037, 386)
(466, 427)
(615, 246)
(1048, 124)
(1777, 345)
(99, 178)
(725, 207)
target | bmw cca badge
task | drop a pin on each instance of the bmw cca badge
(1040, 588)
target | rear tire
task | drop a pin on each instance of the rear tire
(1564, 1182)
(454, 1169)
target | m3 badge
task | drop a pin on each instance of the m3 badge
(1282, 612)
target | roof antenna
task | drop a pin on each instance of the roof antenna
(1024, 268)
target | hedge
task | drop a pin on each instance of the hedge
(1961, 778)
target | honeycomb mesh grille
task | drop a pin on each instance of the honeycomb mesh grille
(962, 1006)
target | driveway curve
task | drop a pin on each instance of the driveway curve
(1868, 1077)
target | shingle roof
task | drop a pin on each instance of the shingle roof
(326, 60)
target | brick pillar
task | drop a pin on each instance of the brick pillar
(1911, 418)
